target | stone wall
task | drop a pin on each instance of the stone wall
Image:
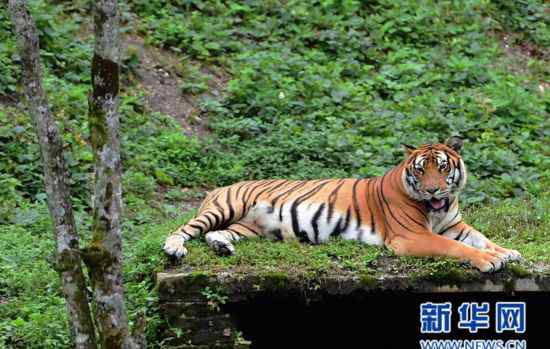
(192, 302)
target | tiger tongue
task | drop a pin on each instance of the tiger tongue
(437, 204)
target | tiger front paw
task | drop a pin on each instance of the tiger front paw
(489, 261)
(511, 255)
(174, 246)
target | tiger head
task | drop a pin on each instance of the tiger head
(434, 173)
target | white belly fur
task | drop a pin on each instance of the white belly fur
(268, 220)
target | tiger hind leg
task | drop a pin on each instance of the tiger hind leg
(220, 209)
(221, 241)
(204, 222)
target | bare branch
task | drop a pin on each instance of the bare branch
(55, 175)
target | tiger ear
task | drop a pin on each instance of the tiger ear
(408, 148)
(455, 142)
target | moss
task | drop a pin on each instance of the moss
(98, 128)
(453, 276)
(95, 256)
(198, 278)
(368, 280)
(275, 280)
(518, 270)
(194, 282)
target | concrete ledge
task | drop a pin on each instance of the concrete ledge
(192, 300)
(174, 286)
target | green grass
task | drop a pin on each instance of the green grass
(265, 256)
(317, 89)
(33, 314)
(33, 311)
(520, 224)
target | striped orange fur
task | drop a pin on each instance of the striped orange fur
(412, 209)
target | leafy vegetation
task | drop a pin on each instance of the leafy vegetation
(318, 89)
(355, 79)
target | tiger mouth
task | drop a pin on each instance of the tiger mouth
(437, 204)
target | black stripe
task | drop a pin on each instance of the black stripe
(412, 219)
(277, 233)
(217, 194)
(274, 201)
(217, 222)
(228, 202)
(220, 210)
(235, 232)
(371, 210)
(348, 217)
(450, 227)
(459, 167)
(242, 211)
(239, 190)
(302, 235)
(388, 205)
(196, 227)
(260, 184)
(248, 194)
(247, 228)
(280, 213)
(466, 236)
(356, 202)
(410, 179)
(201, 221)
(332, 198)
(267, 189)
(457, 238)
(422, 212)
(268, 186)
(248, 189)
(208, 218)
(298, 184)
(454, 170)
(315, 222)
(381, 205)
(277, 186)
(337, 230)
(189, 236)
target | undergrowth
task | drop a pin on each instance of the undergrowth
(318, 89)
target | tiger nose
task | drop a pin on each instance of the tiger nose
(432, 190)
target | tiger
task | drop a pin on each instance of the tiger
(412, 209)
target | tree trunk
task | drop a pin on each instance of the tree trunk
(104, 255)
(55, 176)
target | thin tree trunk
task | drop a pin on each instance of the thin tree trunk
(55, 176)
(104, 255)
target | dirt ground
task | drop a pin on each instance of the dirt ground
(161, 74)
